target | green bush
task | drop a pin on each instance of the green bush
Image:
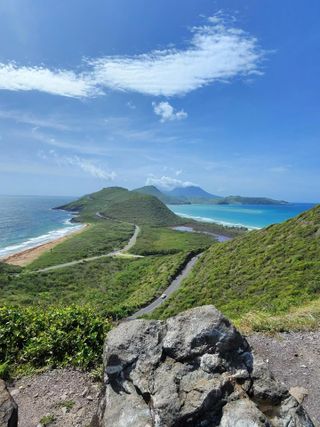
(52, 337)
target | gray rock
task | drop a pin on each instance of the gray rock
(8, 408)
(193, 370)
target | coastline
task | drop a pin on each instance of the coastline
(217, 221)
(26, 256)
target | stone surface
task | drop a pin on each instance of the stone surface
(8, 408)
(194, 369)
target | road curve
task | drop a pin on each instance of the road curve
(118, 252)
(176, 282)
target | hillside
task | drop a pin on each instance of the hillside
(151, 190)
(121, 204)
(240, 200)
(271, 271)
(191, 191)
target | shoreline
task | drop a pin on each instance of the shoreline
(26, 256)
(218, 222)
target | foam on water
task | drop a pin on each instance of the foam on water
(39, 240)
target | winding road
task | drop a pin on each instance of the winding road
(174, 285)
(119, 252)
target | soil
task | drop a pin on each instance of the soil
(66, 396)
(294, 359)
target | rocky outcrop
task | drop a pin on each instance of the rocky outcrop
(194, 369)
(8, 408)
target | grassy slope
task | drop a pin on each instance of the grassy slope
(164, 241)
(110, 285)
(121, 204)
(270, 271)
(100, 238)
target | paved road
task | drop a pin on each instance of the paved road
(120, 252)
(170, 289)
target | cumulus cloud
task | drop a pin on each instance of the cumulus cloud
(86, 165)
(216, 51)
(166, 112)
(166, 182)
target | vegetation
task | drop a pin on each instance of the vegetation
(268, 271)
(113, 286)
(99, 238)
(240, 200)
(47, 420)
(154, 240)
(178, 196)
(35, 338)
(151, 190)
(121, 204)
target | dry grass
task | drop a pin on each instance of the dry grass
(304, 318)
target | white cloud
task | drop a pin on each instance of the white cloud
(167, 112)
(55, 82)
(217, 51)
(166, 182)
(84, 164)
(178, 172)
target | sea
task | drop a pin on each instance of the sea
(29, 221)
(249, 216)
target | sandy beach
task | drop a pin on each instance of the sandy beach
(25, 257)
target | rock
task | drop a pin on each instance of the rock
(193, 370)
(299, 393)
(8, 408)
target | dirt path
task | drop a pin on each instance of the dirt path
(294, 359)
(66, 396)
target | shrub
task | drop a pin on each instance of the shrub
(52, 337)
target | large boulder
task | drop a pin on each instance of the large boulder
(8, 408)
(194, 369)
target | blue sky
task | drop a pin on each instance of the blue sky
(222, 94)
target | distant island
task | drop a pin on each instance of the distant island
(192, 194)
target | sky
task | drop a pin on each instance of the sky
(217, 93)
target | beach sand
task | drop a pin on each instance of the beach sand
(25, 257)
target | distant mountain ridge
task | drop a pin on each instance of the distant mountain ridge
(193, 194)
(240, 200)
(191, 191)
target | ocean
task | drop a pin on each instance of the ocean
(29, 221)
(250, 216)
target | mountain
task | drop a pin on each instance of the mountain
(191, 192)
(269, 270)
(239, 200)
(122, 204)
(151, 190)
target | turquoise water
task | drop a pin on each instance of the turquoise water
(251, 216)
(29, 221)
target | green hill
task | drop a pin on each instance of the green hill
(151, 190)
(240, 200)
(121, 204)
(271, 271)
